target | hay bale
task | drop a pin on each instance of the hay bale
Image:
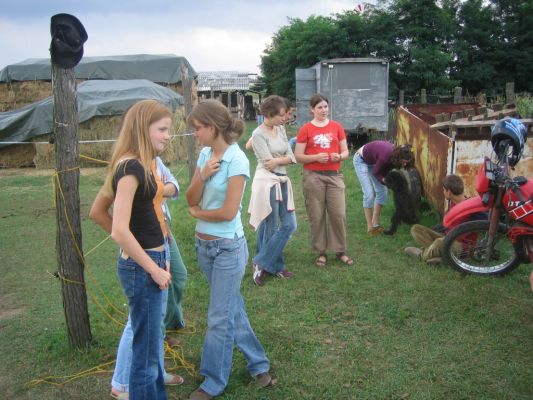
(105, 128)
(15, 95)
(17, 156)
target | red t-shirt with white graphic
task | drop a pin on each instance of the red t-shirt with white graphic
(323, 139)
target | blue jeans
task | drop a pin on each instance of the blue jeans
(145, 301)
(271, 239)
(223, 262)
(374, 192)
(121, 375)
(173, 317)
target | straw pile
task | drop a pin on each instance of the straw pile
(15, 95)
(105, 128)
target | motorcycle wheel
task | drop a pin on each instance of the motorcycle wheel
(465, 249)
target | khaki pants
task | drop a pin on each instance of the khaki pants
(326, 210)
(429, 240)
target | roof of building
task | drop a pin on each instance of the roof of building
(225, 80)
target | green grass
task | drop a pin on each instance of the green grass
(388, 328)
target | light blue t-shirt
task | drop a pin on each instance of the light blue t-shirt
(234, 162)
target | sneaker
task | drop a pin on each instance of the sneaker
(434, 261)
(258, 275)
(413, 251)
(285, 274)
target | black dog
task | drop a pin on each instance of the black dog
(406, 188)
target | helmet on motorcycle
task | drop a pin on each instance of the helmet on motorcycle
(508, 137)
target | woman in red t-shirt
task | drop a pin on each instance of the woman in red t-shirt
(321, 146)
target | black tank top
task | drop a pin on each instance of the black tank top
(144, 224)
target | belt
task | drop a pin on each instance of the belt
(327, 172)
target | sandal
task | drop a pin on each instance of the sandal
(343, 258)
(173, 380)
(321, 260)
(264, 380)
(119, 395)
(375, 230)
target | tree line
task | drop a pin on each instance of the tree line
(437, 45)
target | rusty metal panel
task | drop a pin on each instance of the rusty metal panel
(437, 154)
(431, 149)
(470, 155)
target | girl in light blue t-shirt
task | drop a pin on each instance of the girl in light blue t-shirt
(215, 200)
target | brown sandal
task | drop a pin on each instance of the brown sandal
(321, 260)
(343, 258)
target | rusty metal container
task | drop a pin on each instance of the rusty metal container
(453, 146)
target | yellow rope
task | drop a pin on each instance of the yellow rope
(93, 159)
(177, 357)
(53, 380)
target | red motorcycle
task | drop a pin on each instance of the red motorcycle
(504, 240)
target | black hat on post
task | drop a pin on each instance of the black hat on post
(68, 37)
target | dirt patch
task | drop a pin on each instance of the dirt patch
(9, 307)
(10, 313)
(8, 172)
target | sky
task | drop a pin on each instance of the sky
(212, 35)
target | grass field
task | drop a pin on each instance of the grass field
(389, 327)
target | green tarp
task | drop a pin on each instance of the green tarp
(95, 98)
(161, 68)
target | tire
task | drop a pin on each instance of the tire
(464, 248)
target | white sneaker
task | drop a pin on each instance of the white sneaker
(257, 277)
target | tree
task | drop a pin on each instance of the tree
(476, 47)
(514, 54)
(300, 45)
(425, 35)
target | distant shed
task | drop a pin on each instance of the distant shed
(357, 90)
(232, 88)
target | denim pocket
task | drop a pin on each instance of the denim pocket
(126, 275)
(229, 244)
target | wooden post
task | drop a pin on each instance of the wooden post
(423, 96)
(401, 97)
(457, 95)
(187, 98)
(509, 92)
(68, 239)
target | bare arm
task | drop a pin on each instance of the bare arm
(99, 212)
(120, 231)
(231, 205)
(299, 151)
(248, 145)
(169, 190)
(343, 155)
